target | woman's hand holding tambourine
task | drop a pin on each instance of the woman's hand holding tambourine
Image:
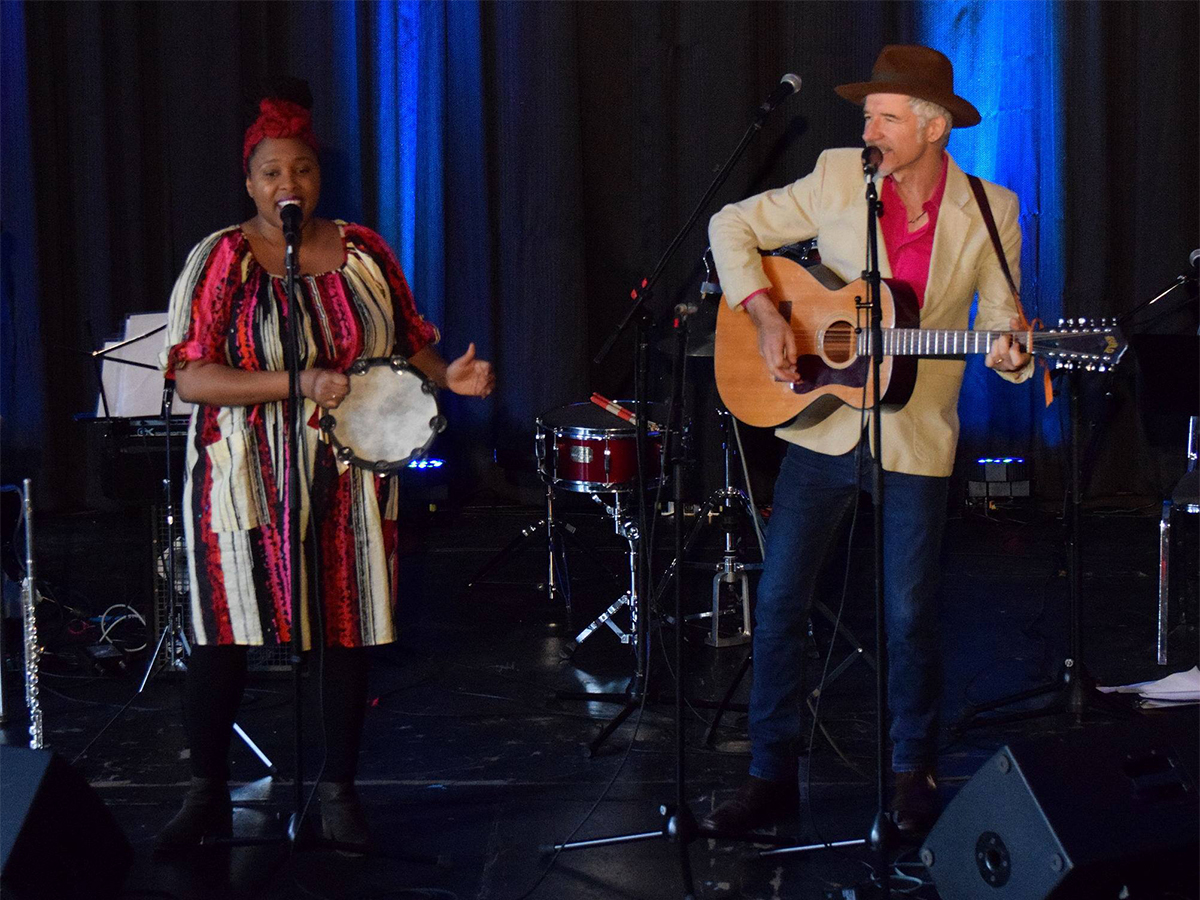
(325, 387)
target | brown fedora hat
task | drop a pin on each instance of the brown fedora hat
(918, 72)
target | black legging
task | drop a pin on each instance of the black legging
(213, 689)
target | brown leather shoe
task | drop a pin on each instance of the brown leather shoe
(756, 804)
(915, 803)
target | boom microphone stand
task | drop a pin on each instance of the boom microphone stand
(678, 823)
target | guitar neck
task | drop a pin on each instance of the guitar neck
(929, 342)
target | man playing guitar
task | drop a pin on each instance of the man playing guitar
(936, 240)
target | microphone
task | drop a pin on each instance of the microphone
(787, 86)
(290, 214)
(1193, 269)
(872, 157)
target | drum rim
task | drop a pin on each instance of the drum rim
(620, 428)
(601, 487)
(595, 434)
(328, 420)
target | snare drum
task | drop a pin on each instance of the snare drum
(389, 417)
(583, 448)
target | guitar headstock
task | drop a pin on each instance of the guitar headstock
(1094, 345)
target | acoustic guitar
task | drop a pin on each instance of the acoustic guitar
(833, 348)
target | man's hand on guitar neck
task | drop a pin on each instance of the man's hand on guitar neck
(1007, 353)
(776, 342)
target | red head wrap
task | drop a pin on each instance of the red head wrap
(277, 119)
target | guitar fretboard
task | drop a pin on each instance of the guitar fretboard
(929, 342)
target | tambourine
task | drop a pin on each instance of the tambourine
(390, 416)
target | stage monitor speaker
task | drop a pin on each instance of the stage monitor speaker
(1106, 811)
(57, 839)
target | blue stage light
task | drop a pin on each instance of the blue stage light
(427, 463)
(1007, 61)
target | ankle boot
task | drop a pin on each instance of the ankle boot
(206, 813)
(342, 816)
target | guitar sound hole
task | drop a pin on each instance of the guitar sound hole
(838, 343)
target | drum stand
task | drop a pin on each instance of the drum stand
(557, 531)
(626, 527)
(638, 634)
(557, 583)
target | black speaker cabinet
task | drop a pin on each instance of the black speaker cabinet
(57, 839)
(1106, 811)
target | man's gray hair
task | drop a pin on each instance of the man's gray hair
(926, 110)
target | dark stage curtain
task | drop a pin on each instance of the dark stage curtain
(528, 161)
(1131, 203)
(22, 394)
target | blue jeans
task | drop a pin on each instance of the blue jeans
(812, 496)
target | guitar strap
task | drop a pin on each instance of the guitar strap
(990, 221)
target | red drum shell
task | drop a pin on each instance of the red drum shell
(591, 450)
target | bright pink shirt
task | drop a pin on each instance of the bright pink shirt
(909, 252)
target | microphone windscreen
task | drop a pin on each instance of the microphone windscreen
(871, 159)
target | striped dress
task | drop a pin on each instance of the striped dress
(226, 308)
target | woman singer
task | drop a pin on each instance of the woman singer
(225, 352)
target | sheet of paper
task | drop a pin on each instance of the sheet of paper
(1176, 686)
(134, 391)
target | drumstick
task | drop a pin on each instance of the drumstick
(620, 411)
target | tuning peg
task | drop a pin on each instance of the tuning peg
(1102, 368)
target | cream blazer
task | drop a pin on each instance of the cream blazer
(830, 204)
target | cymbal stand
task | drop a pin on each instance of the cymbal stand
(728, 502)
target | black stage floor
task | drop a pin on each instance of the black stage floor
(471, 759)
